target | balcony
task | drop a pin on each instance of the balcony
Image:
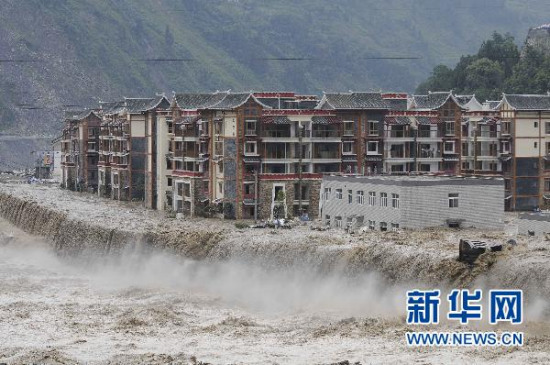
(326, 155)
(428, 134)
(325, 134)
(483, 134)
(276, 134)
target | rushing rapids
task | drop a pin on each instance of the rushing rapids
(80, 285)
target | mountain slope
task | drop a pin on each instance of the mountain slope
(85, 50)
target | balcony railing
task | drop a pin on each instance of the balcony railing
(326, 155)
(277, 134)
(429, 134)
(429, 154)
(325, 134)
(398, 134)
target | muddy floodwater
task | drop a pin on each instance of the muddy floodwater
(156, 308)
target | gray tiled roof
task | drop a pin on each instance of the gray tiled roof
(398, 120)
(433, 100)
(528, 102)
(355, 101)
(77, 114)
(463, 99)
(138, 105)
(492, 104)
(232, 101)
(199, 101)
(114, 107)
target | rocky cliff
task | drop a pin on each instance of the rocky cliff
(539, 38)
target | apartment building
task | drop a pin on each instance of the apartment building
(79, 150)
(526, 121)
(127, 164)
(412, 202)
(426, 136)
(240, 153)
(362, 116)
(264, 154)
(485, 141)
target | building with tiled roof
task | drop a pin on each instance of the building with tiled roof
(79, 150)
(353, 101)
(261, 154)
(526, 150)
(526, 102)
(127, 163)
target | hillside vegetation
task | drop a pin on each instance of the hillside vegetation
(496, 68)
(85, 50)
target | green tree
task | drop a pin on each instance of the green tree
(484, 78)
(442, 78)
(502, 49)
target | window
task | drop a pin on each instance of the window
(372, 148)
(350, 196)
(383, 199)
(220, 187)
(546, 184)
(536, 124)
(360, 197)
(186, 190)
(169, 181)
(453, 200)
(249, 188)
(349, 127)
(449, 147)
(220, 167)
(450, 128)
(464, 148)
(373, 128)
(535, 145)
(250, 128)
(394, 227)
(395, 201)
(348, 148)
(547, 129)
(372, 198)
(372, 225)
(250, 148)
(338, 193)
(506, 147)
(338, 220)
(327, 220)
(328, 191)
(91, 132)
(383, 226)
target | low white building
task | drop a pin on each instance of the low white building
(393, 202)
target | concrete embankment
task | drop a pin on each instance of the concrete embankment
(79, 224)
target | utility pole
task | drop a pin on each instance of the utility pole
(300, 157)
(475, 146)
(415, 144)
(256, 197)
